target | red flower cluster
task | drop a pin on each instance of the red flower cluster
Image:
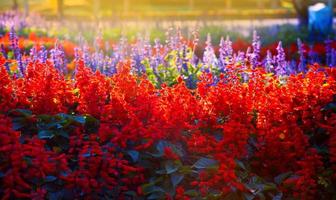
(272, 126)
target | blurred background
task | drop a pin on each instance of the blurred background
(275, 20)
(149, 9)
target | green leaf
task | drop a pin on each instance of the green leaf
(330, 106)
(269, 186)
(134, 155)
(176, 179)
(28, 160)
(155, 196)
(162, 144)
(240, 164)
(18, 123)
(186, 169)
(91, 124)
(150, 188)
(248, 196)
(131, 193)
(161, 171)
(63, 115)
(50, 178)
(79, 119)
(204, 163)
(280, 178)
(63, 134)
(192, 193)
(44, 117)
(45, 134)
(231, 195)
(171, 167)
(21, 112)
(277, 197)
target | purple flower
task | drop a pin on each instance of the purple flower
(209, 57)
(43, 54)
(57, 57)
(137, 58)
(269, 62)
(184, 58)
(77, 54)
(312, 55)
(33, 54)
(225, 52)
(4, 54)
(256, 45)
(16, 50)
(240, 58)
(333, 58)
(281, 63)
(302, 61)
(328, 52)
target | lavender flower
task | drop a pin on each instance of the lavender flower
(77, 54)
(184, 59)
(256, 45)
(16, 50)
(333, 58)
(269, 62)
(240, 58)
(328, 52)
(209, 57)
(280, 68)
(86, 55)
(57, 57)
(194, 59)
(33, 54)
(3, 52)
(43, 54)
(312, 55)
(303, 60)
(225, 52)
(137, 58)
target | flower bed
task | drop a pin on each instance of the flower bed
(159, 124)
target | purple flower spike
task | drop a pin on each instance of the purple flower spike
(328, 52)
(280, 68)
(333, 58)
(16, 50)
(256, 45)
(33, 54)
(303, 59)
(225, 52)
(269, 62)
(185, 60)
(240, 58)
(57, 56)
(209, 57)
(43, 54)
(4, 54)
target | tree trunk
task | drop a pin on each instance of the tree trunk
(26, 8)
(15, 5)
(275, 3)
(260, 4)
(301, 7)
(60, 8)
